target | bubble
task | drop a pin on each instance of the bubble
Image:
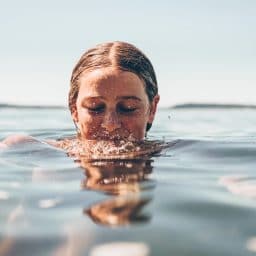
(112, 149)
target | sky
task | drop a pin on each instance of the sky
(202, 51)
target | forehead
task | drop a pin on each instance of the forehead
(110, 82)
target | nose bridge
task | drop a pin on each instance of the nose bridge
(111, 120)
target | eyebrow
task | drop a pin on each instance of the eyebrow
(93, 97)
(118, 98)
(128, 98)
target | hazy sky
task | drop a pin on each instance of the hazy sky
(202, 51)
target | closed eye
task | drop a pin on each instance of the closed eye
(124, 109)
(97, 109)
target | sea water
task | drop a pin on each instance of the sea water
(195, 198)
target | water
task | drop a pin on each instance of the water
(196, 198)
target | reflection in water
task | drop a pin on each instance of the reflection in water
(128, 181)
(118, 211)
(117, 177)
(121, 248)
(125, 182)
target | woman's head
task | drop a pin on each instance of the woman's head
(114, 92)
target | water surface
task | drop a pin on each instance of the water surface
(195, 198)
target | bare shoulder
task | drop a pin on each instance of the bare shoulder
(30, 144)
(16, 139)
(3, 145)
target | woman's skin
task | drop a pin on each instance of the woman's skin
(113, 104)
(3, 145)
(16, 139)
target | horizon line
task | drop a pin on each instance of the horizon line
(175, 106)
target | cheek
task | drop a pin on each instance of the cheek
(135, 125)
(89, 124)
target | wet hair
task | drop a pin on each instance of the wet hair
(121, 55)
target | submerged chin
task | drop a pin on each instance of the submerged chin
(106, 136)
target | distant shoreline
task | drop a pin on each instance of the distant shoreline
(178, 106)
(212, 105)
(31, 106)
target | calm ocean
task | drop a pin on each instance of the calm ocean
(196, 198)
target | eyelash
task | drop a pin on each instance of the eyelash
(121, 109)
(126, 110)
(96, 110)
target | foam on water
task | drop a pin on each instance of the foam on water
(109, 149)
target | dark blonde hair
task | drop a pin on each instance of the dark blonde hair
(121, 55)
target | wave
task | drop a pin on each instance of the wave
(213, 106)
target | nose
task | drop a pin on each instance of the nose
(111, 122)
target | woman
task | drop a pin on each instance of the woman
(113, 93)
(113, 97)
